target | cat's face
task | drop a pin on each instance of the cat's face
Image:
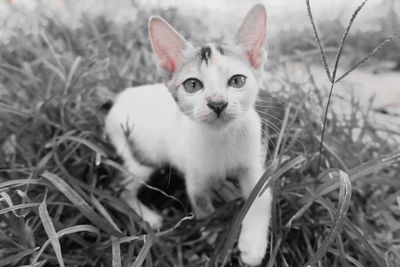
(216, 83)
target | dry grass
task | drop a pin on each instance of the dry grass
(59, 177)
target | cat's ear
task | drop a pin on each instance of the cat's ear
(252, 35)
(168, 45)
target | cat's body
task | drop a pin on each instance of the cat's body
(164, 135)
(202, 121)
(217, 153)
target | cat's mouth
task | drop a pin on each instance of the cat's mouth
(218, 121)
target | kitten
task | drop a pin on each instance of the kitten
(202, 120)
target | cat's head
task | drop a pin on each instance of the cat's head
(216, 83)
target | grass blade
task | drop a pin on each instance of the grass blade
(67, 231)
(116, 252)
(51, 232)
(18, 207)
(103, 212)
(145, 250)
(371, 251)
(72, 71)
(54, 54)
(361, 171)
(19, 182)
(13, 259)
(263, 183)
(82, 141)
(343, 206)
(81, 204)
(6, 198)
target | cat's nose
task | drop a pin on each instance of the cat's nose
(217, 106)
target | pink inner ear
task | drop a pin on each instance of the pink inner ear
(255, 54)
(169, 65)
(254, 58)
(167, 62)
(167, 44)
(252, 34)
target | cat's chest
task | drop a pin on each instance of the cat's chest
(214, 155)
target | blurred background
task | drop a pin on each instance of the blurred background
(290, 38)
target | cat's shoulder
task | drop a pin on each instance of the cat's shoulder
(143, 95)
(145, 90)
(144, 99)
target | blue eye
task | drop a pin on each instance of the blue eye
(192, 85)
(237, 81)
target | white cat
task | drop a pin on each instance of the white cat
(202, 121)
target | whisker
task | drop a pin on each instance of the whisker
(265, 101)
(268, 106)
(271, 125)
(269, 115)
(264, 106)
(268, 141)
(257, 107)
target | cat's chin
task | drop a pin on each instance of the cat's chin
(218, 123)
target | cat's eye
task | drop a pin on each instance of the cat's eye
(192, 85)
(237, 81)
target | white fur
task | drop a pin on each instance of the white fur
(188, 134)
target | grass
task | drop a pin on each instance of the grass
(60, 180)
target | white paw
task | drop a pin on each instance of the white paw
(152, 218)
(252, 246)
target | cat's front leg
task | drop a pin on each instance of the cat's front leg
(253, 238)
(198, 192)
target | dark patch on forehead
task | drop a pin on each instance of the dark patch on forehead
(220, 49)
(228, 50)
(205, 54)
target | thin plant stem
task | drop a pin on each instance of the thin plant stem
(321, 49)
(337, 60)
(370, 54)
